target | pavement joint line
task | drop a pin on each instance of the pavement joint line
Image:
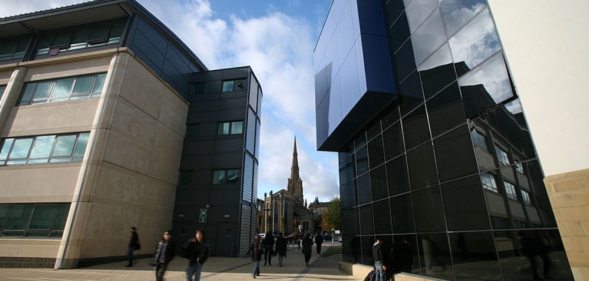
(226, 270)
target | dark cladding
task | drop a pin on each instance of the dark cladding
(447, 174)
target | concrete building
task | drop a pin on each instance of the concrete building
(436, 153)
(96, 102)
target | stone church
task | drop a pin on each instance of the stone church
(286, 211)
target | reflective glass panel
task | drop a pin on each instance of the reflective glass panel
(366, 224)
(476, 42)
(42, 148)
(224, 128)
(18, 218)
(82, 86)
(457, 13)
(411, 93)
(422, 166)
(397, 176)
(427, 207)
(405, 253)
(64, 146)
(81, 146)
(428, 37)
(402, 214)
(375, 152)
(361, 161)
(434, 253)
(382, 220)
(418, 11)
(233, 176)
(393, 141)
(27, 93)
(363, 189)
(6, 145)
(42, 91)
(218, 176)
(98, 84)
(416, 128)
(237, 127)
(378, 183)
(21, 148)
(464, 204)
(61, 90)
(445, 110)
(474, 248)
(454, 154)
(227, 86)
(485, 86)
(43, 216)
(437, 71)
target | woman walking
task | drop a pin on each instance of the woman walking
(256, 251)
(281, 244)
(307, 248)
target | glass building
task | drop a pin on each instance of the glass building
(434, 152)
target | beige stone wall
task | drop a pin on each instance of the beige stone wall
(131, 174)
(38, 183)
(569, 196)
(25, 248)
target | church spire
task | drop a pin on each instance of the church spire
(295, 184)
(294, 169)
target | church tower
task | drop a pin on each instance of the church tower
(295, 184)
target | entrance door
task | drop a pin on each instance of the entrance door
(225, 240)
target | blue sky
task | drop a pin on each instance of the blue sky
(276, 38)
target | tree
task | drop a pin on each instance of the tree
(334, 213)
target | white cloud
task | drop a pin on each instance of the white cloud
(12, 8)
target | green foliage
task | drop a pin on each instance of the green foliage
(334, 214)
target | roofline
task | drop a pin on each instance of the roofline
(100, 3)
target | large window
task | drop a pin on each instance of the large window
(13, 48)
(225, 176)
(33, 220)
(71, 88)
(526, 198)
(510, 190)
(101, 34)
(233, 85)
(502, 156)
(230, 128)
(2, 88)
(478, 139)
(43, 149)
(488, 182)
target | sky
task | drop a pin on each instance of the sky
(276, 38)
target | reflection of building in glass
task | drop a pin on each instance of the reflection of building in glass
(444, 166)
(108, 121)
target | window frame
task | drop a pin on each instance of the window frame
(489, 183)
(502, 156)
(72, 158)
(56, 221)
(28, 95)
(224, 179)
(230, 124)
(510, 190)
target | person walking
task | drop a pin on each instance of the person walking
(164, 253)
(197, 252)
(378, 258)
(307, 248)
(281, 244)
(256, 252)
(319, 241)
(268, 248)
(134, 245)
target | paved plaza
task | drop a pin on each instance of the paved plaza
(217, 268)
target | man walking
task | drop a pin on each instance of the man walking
(268, 248)
(256, 251)
(133, 246)
(281, 248)
(378, 258)
(164, 253)
(197, 251)
(319, 241)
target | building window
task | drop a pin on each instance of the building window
(478, 139)
(510, 190)
(71, 88)
(519, 167)
(2, 88)
(230, 128)
(13, 48)
(233, 85)
(526, 198)
(81, 37)
(502, 156)
(43, 149)
(225, 176)
(488, 182)
(33, 220)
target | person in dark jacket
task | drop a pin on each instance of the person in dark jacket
(256, 250)
(307, 248)
(164, 253)
(281, 243)
(268, 248)
(318, 242)
(197, 252)
(378, 259)
(133, 245)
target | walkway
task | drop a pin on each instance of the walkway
(217, 268)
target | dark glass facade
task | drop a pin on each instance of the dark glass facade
(447, 174)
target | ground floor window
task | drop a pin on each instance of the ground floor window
(33, 220)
